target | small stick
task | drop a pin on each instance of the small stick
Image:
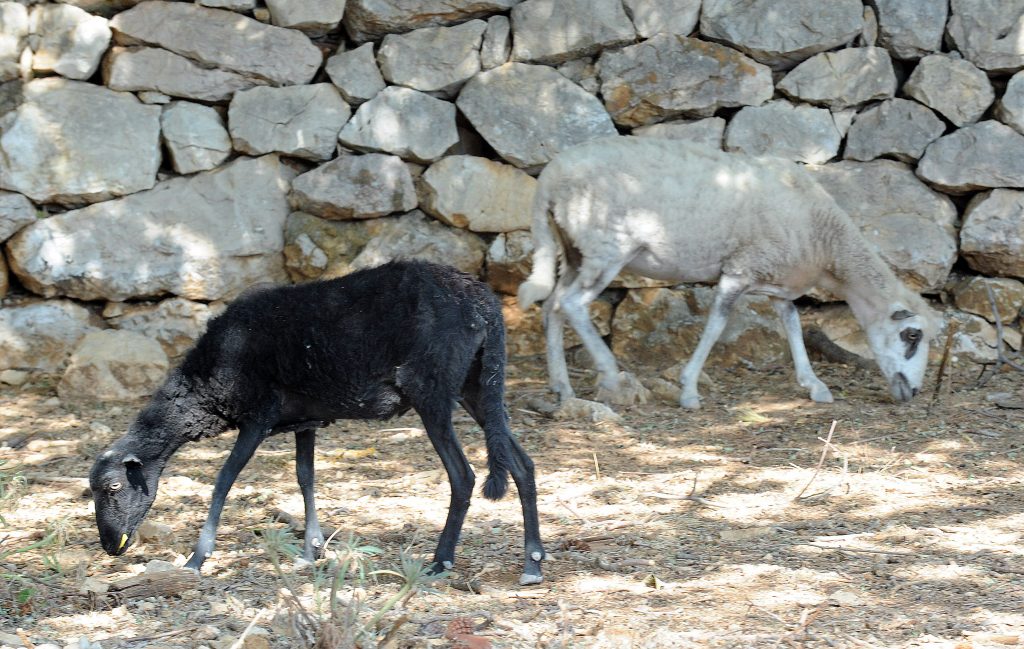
(597, 467)
(821, 460)
(255, 618)
(24, 639)
(954, 328)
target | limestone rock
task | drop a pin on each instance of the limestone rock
(992, 236)
(413, 236)
(203, 237)
(40, 335)
(1010, 108)
(194, 136)
(159, 534)
(781, 33)
(316, 248)
(356, 74)
(555, 31)
(528, 113)
(301, 121)
(899, 128)
(910, 29)
(496, 47)
(668, 75)
(526, 328)
(509, 261)
(215, 38)
(69, 41)
(977, 156)
(16, 212)
(909, 225)
(972, 296)
(241, 6)
(661, 327)
(709, 131)
(975, 339)
(478, 194)
(652, 17)
(313, 18)
(951, 87)
(151, 69)
(989, 34)
(582, 72)
(369, 19)
(433, 59)
(56, 145)
(175, 323)
(113, 365)
(14, 31)
(782, 129)
(355, 187)
(841, 79)
(405, 122)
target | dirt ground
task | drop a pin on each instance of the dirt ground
(719, 528)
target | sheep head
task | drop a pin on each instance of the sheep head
(123, 489)
(900, 338)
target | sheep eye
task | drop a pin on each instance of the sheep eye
(911, 335)
(114, 486)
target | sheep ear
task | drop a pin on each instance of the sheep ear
(902, 314)
(131, 458)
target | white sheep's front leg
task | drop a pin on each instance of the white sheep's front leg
(805, 376)
(729, 290)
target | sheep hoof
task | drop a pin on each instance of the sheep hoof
(690, 403)
(821, 394)
(526, 579)
(628, 391)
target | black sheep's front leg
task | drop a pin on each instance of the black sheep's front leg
(249, 437)
(305, 441)
(460, 476)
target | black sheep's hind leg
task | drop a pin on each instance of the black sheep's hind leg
(305, 441)
(460, 475)
(249, 437)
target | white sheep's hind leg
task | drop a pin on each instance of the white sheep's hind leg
(730, 288)
(805, 376)
(554, 334)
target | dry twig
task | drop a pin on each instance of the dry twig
(821, 460)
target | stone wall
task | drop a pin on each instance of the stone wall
(158, 157)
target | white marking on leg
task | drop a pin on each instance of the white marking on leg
(536, 556)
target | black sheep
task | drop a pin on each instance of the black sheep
(370, 345)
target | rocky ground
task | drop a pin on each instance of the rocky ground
(723, 528)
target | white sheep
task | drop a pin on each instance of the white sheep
(683, 212)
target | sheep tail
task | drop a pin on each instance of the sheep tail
(497, 436)
(546, 249)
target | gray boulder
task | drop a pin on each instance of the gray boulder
(113, 365)
(414, 236)
(154, 70)
(433, 59)
(194, 136)
(405, 122)
(16, 212)
(668, 75)
(175, 323)
(652, 17)
(909, 225)
(355, 187)
(841, 79)
(478, 194)
(356, 74)
(496, 46)
(990, 34)
(301, 121)
(785, 130)
(977, 156)
(781, 33)
(952, 87)
(68, 40)
(1010, 108)
(221, 39)
(370, 19)
(709, 131)
(14, 31)
(992, 236)
(313, 18)
(910, 29)
(204, 237)
(899, 128)
(555, 31)
(55, 147)
(40, 335)
(528, 113)
(972, 296)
